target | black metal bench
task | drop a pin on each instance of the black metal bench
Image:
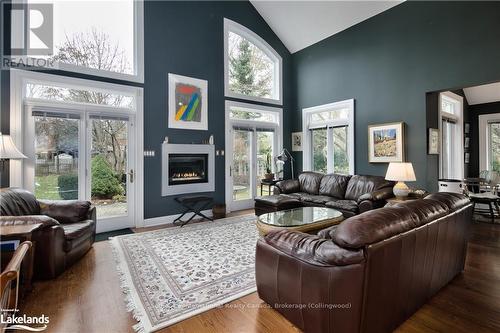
(193, 204)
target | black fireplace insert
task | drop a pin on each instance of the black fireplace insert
(187, 169)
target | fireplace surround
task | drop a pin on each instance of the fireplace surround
(187, 168)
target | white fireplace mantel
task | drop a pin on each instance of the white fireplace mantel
(170, 148)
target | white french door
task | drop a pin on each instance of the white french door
(252, 152)
(86, 153)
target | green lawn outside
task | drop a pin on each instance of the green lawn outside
(46, 187)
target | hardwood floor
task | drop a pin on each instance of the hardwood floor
(87, 298)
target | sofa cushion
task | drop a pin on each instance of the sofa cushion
(319, 199)
(18, 202)
(379, 224)
(65, 211)
(45, 220)
(359, 185)
(334, 185)
(309, 182)
(276, 200)
(347, 205)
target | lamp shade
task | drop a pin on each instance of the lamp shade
(400, 172)
(8, 149)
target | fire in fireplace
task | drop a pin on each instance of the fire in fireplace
(187, 168)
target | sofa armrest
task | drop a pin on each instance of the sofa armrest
(378, 195)
(28, 220)
(312, 249)
(288, 186)
(65, 211)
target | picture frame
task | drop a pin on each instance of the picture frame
(433, 139)
(386, 142)
(466, 128)
(297, 141)
(467, 142)
(187, 102)
(466, 158)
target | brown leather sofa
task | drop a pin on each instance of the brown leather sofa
(372, 271)
(349, 194)
(68, 230)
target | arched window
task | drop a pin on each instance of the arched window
(252, 68)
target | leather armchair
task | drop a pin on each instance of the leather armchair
(375, 199)
(68, 230)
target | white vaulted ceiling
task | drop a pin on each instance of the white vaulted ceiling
(486, 93)
(300, 24)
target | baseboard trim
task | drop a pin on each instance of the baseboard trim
(169, 219)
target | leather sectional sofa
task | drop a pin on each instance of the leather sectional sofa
(67, 233)
(349, 194)
(372, 271)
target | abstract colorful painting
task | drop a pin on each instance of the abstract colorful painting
(386, 143)
(187, 102)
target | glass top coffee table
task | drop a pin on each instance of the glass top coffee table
(304, 219)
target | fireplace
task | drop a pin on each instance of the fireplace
(187, 169)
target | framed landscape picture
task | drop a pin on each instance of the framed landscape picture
(386, 143)
(187, 102)
(297, 141)
(433, 141)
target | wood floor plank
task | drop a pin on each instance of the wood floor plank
(87, 298)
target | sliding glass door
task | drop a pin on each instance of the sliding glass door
(84, 154)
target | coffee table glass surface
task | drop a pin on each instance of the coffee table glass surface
(300, 219)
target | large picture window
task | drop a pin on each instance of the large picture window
(87, 41)
(329, 138)
(451, 124)
(252, 67)
(489, 142)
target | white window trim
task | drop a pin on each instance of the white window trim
(307, 137)
(484, 142)
(138, 64)
(231, 26)
(229, 123)
(459, 159)
(19, 79)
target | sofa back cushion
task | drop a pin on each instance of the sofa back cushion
(359, 185)
(309, 182)
(18, 202)
(334, 185)
(65, 211)
(380, 224)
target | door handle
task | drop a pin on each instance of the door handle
(131, 175)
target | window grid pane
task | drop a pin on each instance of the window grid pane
(494, 146)
(319, 149)
(340, 154)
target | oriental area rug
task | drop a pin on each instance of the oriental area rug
(172, 274)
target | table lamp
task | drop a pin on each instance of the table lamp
(8, 150)
(283, 157)
(400, 172)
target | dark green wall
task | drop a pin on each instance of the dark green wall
(474, 112)
(388, 64)
(187, 38)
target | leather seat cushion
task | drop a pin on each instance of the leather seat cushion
(309, 182)
(65, 211)
(319, 199)
(334, 185)
(276, 200)
(18, 202)
(77, 230)
(347, 205)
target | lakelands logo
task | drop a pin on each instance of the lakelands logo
(24, 322)
(31, 34)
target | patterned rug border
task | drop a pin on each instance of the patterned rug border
(133, 302)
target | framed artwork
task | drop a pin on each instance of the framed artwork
(187, 102)
(386, 143)
(297, 141)
(467, 157)
(433, 141)
(467, 128)
(467, 142)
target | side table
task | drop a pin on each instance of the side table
(268, 183)
(21, 232)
